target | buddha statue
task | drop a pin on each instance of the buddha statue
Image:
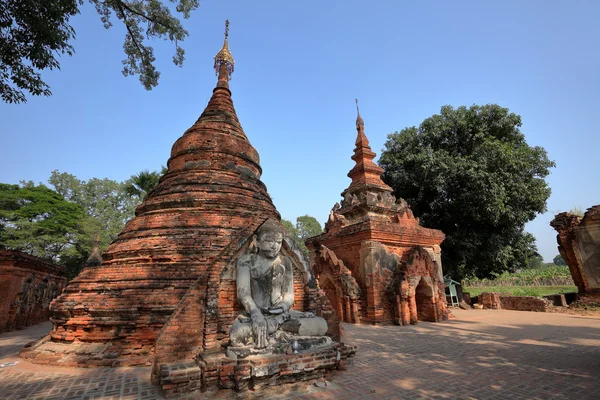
(265, 289)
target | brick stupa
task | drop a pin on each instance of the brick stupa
(164, 293)
(210, 196)
(375, 262)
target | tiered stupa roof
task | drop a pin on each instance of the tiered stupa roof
(366, 175)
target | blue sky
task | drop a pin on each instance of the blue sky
(299, 67)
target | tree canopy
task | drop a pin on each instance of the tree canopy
(35, 33)
(38, 221)
(64, 225)
(470, 173)
(106, 204)
(558, 260)
(306, 226)
(139, 185)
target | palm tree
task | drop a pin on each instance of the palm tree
(141, 184)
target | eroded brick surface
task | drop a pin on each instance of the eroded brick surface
(27, 286)
(579, 245)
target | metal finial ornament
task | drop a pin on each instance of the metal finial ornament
(359, 120)
(224, 55)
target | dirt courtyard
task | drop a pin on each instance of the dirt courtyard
(481, 354)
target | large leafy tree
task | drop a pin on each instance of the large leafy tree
(306, 226)
(34, 33)
(470, 173)
(106, 204)
(39, 221)
(558, 260)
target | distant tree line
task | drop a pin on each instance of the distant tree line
(63, 223)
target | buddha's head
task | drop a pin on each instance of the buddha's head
(269, 237)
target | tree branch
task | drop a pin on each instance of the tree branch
(122, 5)
(126, 21)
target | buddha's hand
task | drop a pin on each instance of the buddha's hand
(275, 310)
(259, 329)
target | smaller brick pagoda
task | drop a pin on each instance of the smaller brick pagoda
(27, 286)
(375, 262)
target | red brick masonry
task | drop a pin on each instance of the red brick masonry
(27, 286)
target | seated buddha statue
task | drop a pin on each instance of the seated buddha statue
(265, 289)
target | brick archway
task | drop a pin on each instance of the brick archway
(425, 301)
(338, 284)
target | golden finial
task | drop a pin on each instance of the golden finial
(224, 55)
(359, 120)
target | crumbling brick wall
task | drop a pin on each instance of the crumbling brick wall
(579, 245)
(27, 286)
(495, 301)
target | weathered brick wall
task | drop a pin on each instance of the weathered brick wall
(495, 301)
(579, 244)
(524, 303)
(27, 286)
(489, 300)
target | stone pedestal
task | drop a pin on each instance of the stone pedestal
(209, 372)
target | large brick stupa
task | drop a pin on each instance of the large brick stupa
(209, 201)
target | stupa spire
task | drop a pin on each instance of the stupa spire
(360, 124)
(224, 62)
(365, 174)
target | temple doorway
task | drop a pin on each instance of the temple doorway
(424, 302)
(332, 295)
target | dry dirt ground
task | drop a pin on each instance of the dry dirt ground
(481, 354)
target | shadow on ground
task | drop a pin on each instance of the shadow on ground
(482, 354)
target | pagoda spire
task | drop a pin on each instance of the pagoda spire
(95, 258)
(220, 113)
(224, 61)
(361, 138)
(365, 174)
(360, 124)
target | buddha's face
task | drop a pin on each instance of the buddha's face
(269, 244)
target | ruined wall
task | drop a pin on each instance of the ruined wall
(27, 286)
(524, 303)
(495, 301)
(579, 245)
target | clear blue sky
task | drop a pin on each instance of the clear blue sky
(299, 66)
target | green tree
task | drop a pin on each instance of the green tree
(34, 33)
(558, 260)
(470, 173)
(106, 204)
(139, 185)
(291, 229)
(535, 261)
(306, 226)
(38, 221)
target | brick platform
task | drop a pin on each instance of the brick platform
(482, 354)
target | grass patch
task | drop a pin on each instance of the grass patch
(548, 276)
(521, 290)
